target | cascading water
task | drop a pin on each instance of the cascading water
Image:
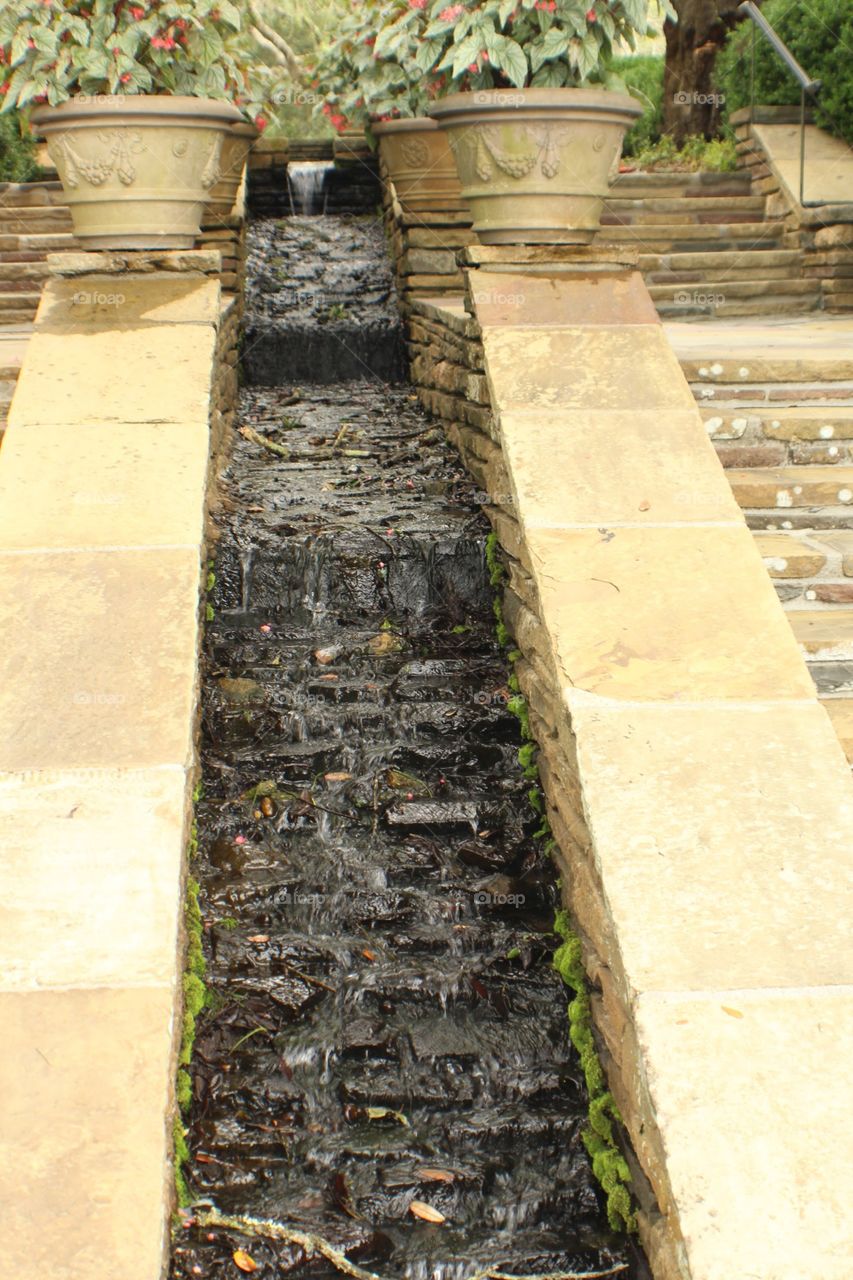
(384, 1062)
(306, 184)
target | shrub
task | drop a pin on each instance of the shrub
(717, 156)
(643, 77)
(17, 150)
(820, 36)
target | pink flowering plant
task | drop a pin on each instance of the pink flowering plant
(374, 69)
(547, 44)
(51, 50)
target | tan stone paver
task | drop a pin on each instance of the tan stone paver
(566, 474)
(86, 1082)
(671, 614)
(90, 877)
(828, 162)
(103, 650)
(92, 485)
(747, 1090)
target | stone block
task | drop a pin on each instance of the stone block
(665, 614)
(85, 853)
(103, 485)
(584, 298)
(86, 1081)
(104, 650)
(591, 467)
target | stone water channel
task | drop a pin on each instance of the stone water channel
(385, 1030)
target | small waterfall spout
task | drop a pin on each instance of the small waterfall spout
(306, 185)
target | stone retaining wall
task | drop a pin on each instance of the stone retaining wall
(702, 807)
(127, 390)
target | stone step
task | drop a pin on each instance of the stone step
(742, 264)
(30, 194)
(21, 274)
(806, 423)
(725, 289)
(776, 304)
(779, 489)
(673, 238)
(812, 395)
(810, 568)
(28, 221)
(18, 303)
(46, 242)
(655, 185)
(824, 634)
(682, 211)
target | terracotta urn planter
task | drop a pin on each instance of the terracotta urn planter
(235, 152)
(421, 165)
(534, 163)
(137, 170)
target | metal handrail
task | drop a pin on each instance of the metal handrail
(805, 81)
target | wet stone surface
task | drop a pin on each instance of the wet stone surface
(384, 1029)
(320, 301)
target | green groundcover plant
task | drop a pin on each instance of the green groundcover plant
(392, 59)
(17, 150)
(51, 50)
(820, 36)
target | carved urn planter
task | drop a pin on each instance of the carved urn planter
(137, 170)
(534, 164)
(421, 166)
(235, 152)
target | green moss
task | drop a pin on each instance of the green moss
(527, 759)
(194, 998)
(608, 1164)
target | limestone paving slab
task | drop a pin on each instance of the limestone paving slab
(99, 656)
(108, 302)
(679, 614)
(90, 879)
(585, 466)
(113, 376)
(828, 175)
(86, 1082)
(756, 1135)
(740, 821)
(101, 485)
(602, 367)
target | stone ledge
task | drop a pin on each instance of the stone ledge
(112, 262)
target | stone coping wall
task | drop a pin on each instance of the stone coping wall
(701, 804)
(768, 144)
(126, 392)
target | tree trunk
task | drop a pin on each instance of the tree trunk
(690, 102)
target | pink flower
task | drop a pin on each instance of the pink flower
(417, 4)
(261, 123)
(590, 16)
(451, 13)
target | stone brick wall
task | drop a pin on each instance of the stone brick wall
(424, 248)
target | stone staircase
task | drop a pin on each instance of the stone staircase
(777, 401)
(706, 245)
(33, 222)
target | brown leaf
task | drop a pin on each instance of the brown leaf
(337, 777)
(426, 1212)
(436, 1175)
(259, 937)
(733, 1013)
(244, 1261)
(368, 954)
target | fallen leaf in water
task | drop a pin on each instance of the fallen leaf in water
(244, 1261)
(337, 777)
(401, 781)
(259, 937)
(426, 1212)
(384, 642)
(342, 1196)
(268, 807)
(368, 954)
(385, 1113)
(733, 1013)
(436, 1175)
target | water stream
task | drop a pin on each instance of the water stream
(385, 1030)
(306, 185)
